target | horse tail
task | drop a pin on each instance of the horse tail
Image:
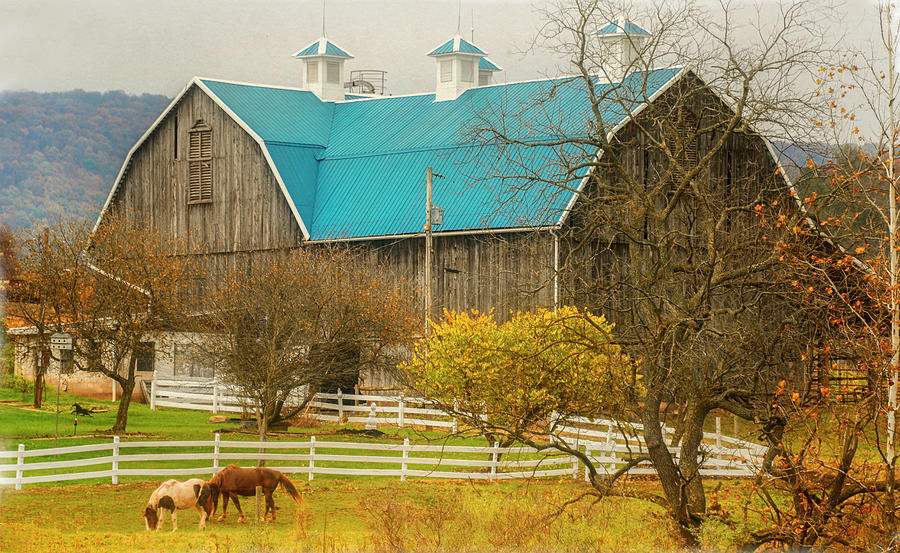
(288, 486)
(204, 497)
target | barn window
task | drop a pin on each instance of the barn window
(333, 70)
(144, 354)
(200, 186)
(446, 71)
(191, 362)
(312, 71)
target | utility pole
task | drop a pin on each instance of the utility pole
(895, 297)
(429, 180)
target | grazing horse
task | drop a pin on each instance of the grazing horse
(233, 481)
(172, 495)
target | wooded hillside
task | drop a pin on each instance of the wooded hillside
(60, 152)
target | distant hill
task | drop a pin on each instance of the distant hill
(61, 151)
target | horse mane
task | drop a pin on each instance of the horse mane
(217, 477)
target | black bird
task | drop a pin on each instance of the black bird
(79, 410)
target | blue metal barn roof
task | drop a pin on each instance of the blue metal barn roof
(356, 169)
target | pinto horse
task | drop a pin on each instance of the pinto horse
(233, 481)
(173, 495)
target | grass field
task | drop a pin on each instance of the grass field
(340, 513)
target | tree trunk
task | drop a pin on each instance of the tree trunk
(690, 468)
(262, 425)
(38, 390)
(40, 371)
(669, 477)
(124, 403)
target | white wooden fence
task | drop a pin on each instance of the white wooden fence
(337, 408)
(606, 441)
(603, 440)
(314, 457)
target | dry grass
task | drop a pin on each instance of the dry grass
(342, 515)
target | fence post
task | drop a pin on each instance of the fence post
(494, 457)
(587, 473)
(611, 445)
(115, 460)
(455, 427)
(216, 451)
(609, 440)
(312, 455)
(400, 412)
(405, 458)
(215, 397)
(735, 424)
(575, 466)
(340, 395)
(553, 418)
(719, 455)
(20, 465)
(153, 394)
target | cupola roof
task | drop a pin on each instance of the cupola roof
(457, 45)
(627, 27)
(323, 47)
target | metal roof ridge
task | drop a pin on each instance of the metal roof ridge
(531, 141)
(380, 97)
(572, 76)
(339, 157)
(258, 85)
(293, 144)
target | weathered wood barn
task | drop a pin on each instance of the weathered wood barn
(237, 170)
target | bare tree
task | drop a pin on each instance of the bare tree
(666, 238)
(112, 289)
(286, 327)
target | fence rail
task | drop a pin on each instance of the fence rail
(309, 457)
(346, 458)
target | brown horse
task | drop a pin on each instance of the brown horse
(233, 481)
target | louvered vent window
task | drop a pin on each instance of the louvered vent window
(467, 71)
(446, 71)
(686, 139)
(200, 186)
(333, 69)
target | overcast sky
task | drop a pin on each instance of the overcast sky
(157, 46)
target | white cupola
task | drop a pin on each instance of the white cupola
(457, 68)
(620, 45)
(323, 69)
(486, 70)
